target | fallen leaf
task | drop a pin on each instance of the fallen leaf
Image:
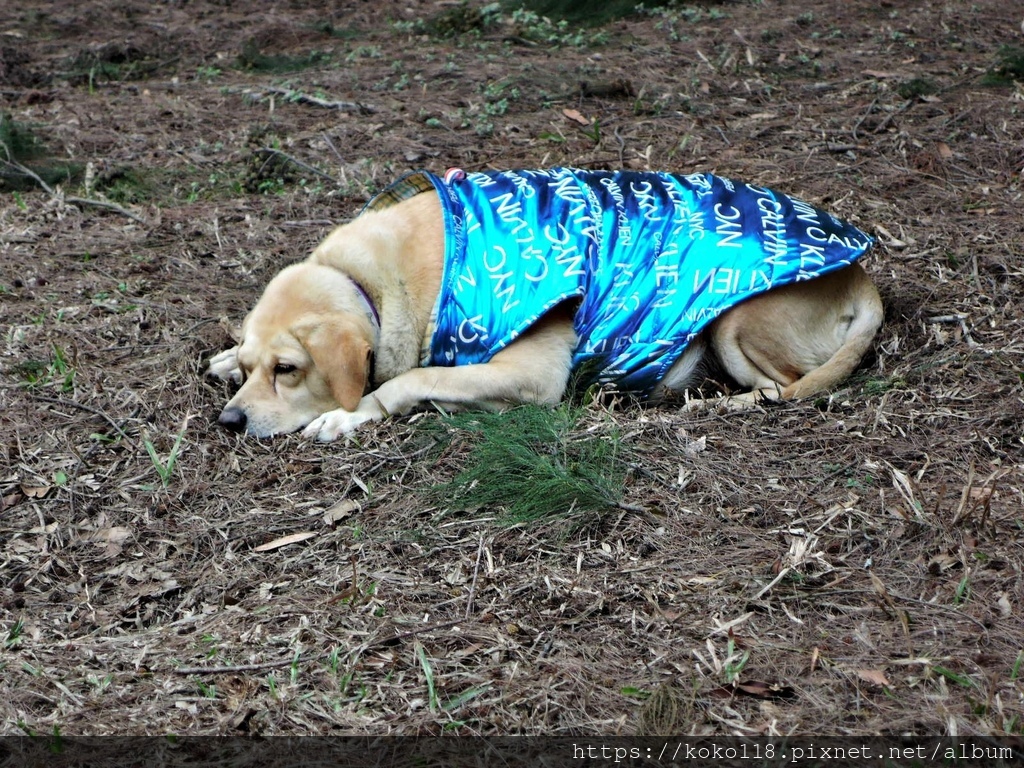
(115, 533)
(1004, 606)
(693, 447)
(112, 538)
(341, 510)
(284, 541)
(36, 491)
(891, 240)
(574, 114)
(983, 494)
(874, 677)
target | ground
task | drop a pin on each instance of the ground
(849, 564)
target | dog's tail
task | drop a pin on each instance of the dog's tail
(868, 314)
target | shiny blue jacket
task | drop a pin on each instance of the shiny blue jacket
(650, 258)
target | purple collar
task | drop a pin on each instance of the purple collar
(369, 302)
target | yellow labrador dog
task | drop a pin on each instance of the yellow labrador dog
(487, 290)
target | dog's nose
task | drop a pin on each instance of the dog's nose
(233, 418)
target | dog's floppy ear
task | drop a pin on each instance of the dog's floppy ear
(341, 350)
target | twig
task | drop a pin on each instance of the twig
(72, 200)
(630, 507)
(861, 119)
(84, 407)
(295, 161)
(957, 318)
(84, 458)
(299, 97)
(476, 572)
(104, 204)
(839, 148)
(333, 148)
(403, 636)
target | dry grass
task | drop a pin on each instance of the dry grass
(844, 566)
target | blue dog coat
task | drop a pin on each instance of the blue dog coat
(650, 258)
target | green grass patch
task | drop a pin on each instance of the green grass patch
(253, 59)
(532, 463)
(580, 11)
(19, 140)
(462, 19)
(1009, 67)
(954, 677)
(165, 467)
(877, 387)
(339, 33)
(20, 145)
(130, 186)
(916, 88)
(546, 22)
(58, 371)
(112, 63)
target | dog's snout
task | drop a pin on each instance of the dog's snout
(233, 418)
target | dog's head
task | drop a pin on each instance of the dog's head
(305, 349)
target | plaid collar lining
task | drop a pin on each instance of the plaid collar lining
(406, 187)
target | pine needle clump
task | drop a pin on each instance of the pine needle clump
(534, 463)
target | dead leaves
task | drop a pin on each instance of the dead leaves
(803, 551)
(576, 116)
(284, 541)
(339, 511)
(111, 539)
(874, 677)
(36, 491)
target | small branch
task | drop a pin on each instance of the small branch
(299, 97)
(333, 148)
(957, 318)
(412, 633)
(476, 573)
(71, 200)
(105, 204)
(87, 408)
(295, 161)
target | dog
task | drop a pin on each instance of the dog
(486, 290)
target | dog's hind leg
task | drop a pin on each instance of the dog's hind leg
(800, 339)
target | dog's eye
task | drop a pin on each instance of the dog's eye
(283, 369)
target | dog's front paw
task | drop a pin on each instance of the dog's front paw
(225, 366)
(331, 425)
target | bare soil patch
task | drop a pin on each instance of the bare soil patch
(849, 565)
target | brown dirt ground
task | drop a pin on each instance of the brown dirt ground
(896, 504)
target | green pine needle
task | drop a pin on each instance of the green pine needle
(535, 463)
